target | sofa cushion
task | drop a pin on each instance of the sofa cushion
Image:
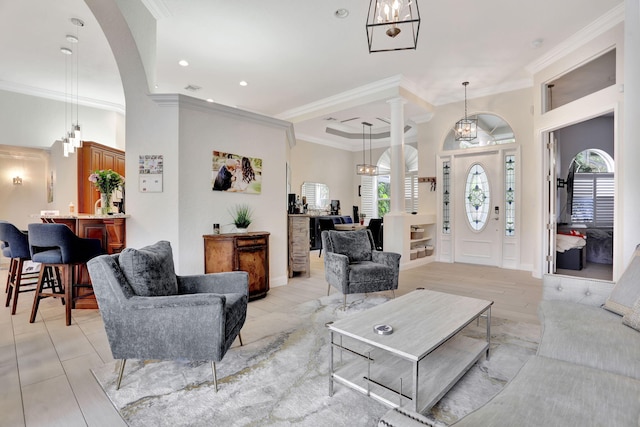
(368, 275)
(354, 244)
(548, 392)
(589, 336)
(632, 318)
(627, 289)
(149, 270)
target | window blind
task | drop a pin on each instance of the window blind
(593, 198)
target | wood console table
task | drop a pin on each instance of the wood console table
(240, 252)
(109, 229)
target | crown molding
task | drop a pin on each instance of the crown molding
(380, 90)
(596, 28)
(352, 145)
(157, 8)
(487, 91)
(179, 100)
(59, 96)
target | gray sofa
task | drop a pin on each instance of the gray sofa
(587, 368)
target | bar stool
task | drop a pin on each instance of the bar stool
(15, 245)
(57, 248)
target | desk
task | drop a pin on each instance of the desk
(349, 227)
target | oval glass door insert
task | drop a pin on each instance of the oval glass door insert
(477, 197)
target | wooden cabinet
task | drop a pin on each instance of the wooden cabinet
(240, 252)
(299, 245)
(93, 156)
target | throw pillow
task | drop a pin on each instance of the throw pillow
(354, 244)
(149, 270)
(627, 289)
(632, 318)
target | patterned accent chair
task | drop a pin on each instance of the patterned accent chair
(150, 313)
(352, 265)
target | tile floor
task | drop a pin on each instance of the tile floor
(45, 366)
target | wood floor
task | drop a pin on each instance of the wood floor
(44, 366)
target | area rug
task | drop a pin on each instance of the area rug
(282, 380)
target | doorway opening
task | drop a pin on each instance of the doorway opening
(581, 203)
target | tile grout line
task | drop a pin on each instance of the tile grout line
(15, 352)
(66, 374)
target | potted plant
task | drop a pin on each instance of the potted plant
(241, 215)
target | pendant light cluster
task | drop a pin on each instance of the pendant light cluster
(366, 168)
(72, 139)
(466, 129)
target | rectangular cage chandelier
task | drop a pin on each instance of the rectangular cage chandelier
(392, 25)
(466, 129)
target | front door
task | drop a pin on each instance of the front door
(478, 208)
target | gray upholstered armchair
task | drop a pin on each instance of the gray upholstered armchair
(150, 313)
(352, 265)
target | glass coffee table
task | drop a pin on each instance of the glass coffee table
(408, 351)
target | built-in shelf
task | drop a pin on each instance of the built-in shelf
(420, 229)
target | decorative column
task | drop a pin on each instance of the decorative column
(397, 155)
(396, 238)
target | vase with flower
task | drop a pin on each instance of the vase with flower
(106, 181)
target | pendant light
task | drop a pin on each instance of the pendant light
(76, 135)
(366, 168)
(66, 145)
(392, 25)
(466, 129)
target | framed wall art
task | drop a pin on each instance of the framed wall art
(236, 173)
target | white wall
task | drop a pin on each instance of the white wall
(205, 127)
(332, 166)
(627, 210)
(30, 121)
(20, 204)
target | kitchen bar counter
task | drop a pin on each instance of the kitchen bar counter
(109, 229)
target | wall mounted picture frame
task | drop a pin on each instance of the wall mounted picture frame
(236, 173)
(150, 167)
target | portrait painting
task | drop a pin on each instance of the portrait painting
(236, 173)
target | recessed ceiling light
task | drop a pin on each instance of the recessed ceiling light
(71, 39)
(341, 13)
(66, 50)
(536, 43)
(209, 100)
(183, 63)
(77, 22)
(243, 83)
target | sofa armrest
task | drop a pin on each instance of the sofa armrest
(576, 289)
(390, 259)
(234, 282)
